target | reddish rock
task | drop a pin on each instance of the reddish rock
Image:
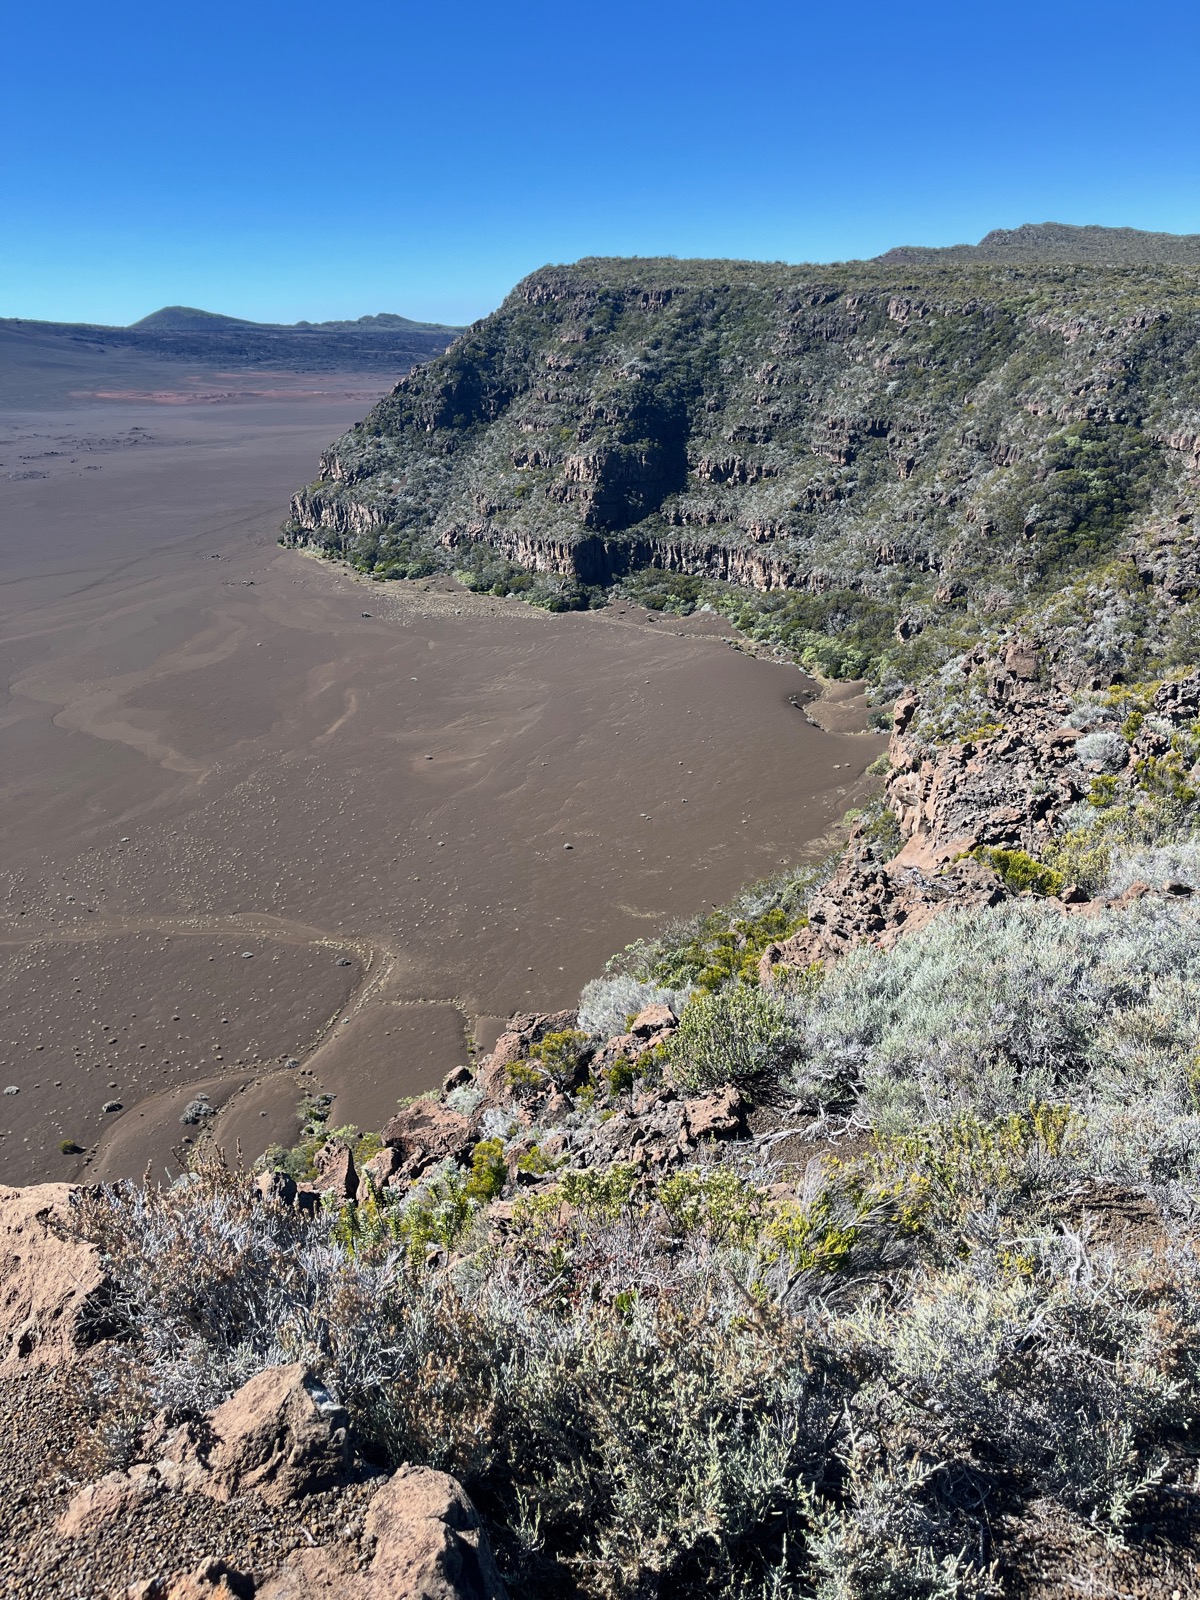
(52, 1286)
(626, 1045)
(718, 1115)
(282, 1435)
(211, 1580)
(424, 1133)
(379, 1171)
(113, 1496)
(428, 1544)
(1022, 660)
(276, 1188)
(335, 1171)
(652, 1020)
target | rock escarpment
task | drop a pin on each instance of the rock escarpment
(931, 440)
(1007, 789)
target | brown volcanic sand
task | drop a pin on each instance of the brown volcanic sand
(202, 756)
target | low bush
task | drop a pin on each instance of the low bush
(606, 1004)
(986, 1011)
(740, 1035)
(686, 1385)
(1021, 871)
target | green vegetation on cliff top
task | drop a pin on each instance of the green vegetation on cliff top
(874, 462)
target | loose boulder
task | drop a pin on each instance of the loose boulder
(282, 1434)
(428, 1544)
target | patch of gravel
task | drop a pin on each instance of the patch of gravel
(40, 1424)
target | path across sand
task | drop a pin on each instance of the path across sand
(220, 780)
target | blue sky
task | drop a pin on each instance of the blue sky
(281, 161)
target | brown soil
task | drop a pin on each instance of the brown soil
(207, 749)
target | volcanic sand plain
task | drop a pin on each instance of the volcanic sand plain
(269, 828)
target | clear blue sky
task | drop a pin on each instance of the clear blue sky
(279, 161)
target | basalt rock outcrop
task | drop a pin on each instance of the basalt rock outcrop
(53, 1287)
(281, 1438)
(913, 441)
(1008, 788)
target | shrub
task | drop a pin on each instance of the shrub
(1021, 871)
(558, 1059)
(740, 1035)
(606, 1004)
(1158, 866)
(986, 1011)
(1106, 748)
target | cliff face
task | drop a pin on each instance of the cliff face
(931, 437)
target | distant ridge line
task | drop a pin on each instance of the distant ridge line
(189, 319)
(1049, 242)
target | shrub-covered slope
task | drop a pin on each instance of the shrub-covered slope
(898, 447)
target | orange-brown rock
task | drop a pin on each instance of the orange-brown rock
(653, 1019)
(52, 1286)
(336, 1173)
(428, 1544)
(211, 1580)
(282, 1435)
(524, 1030)
(115, 1495)
(421, 1135)
(714, 1116)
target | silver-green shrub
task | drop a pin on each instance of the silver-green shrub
(984, 1012)
(606, 1004)
(740, 1035)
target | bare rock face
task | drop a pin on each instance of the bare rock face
(282, 1434)
(336, 1174)
(426, 1540)
(52, 1287)
(416, 1138)
(653, 1019)
(211, 1580)
(429, 1541)
(422, 1540)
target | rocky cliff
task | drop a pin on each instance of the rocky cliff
(921, 447)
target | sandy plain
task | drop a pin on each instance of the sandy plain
(269, 828)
